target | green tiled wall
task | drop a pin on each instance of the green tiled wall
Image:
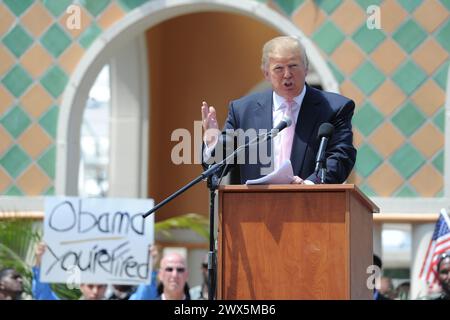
(367, 78)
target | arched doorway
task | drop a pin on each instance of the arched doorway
(129, 144)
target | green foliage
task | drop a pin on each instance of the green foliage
(193, 221)
(17, 238)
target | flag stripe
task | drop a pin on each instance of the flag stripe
(439, 244)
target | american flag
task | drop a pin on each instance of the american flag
(440, 243)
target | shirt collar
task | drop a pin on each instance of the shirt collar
(278, 101)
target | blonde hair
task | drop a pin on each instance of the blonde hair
(285, 42)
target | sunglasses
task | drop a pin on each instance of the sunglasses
(179, 270)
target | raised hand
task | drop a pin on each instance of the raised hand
(39, 251)
(210, 125)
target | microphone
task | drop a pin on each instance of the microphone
(286, 122)
(325, 132)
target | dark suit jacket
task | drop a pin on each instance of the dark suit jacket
(255, 111)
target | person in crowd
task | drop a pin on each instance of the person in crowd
(443, 271)
(402, 291)
(149, 291)
(377, 295)
(11, 284)
(43, 291)
(121, 292)
(387, 287)
(200, 292)
(173, 275)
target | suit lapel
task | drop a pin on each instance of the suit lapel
(306, 122)
(263, 111)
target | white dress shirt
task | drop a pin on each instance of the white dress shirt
(278, 107)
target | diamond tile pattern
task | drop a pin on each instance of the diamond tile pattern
(408, 77)
(56, 7)
(17, 41)
(397, 77)
(49, 121)
(367, 119)
(409, 35)
(15, 161)
(367, 160)
(33, 181)
(441, 75)
(407, 160)
(426, 181)
(50, 191)
(55, 40)
(18, 6)
(410, 5)
(429, 56)
(14, 191)
(47, 162)
(439, 120)
(5, 180)
(392, 16)
(446, 3)
(368, 78)
(429, 97)
(408, 119)
(328, 5)
(406, 192)
(16, 121)
(367, 190)
(95, 7)
(55, 81)
(368, 39)
(431, 8)
(287, 5)
(366, 3)
(328, 37)
(443, 35)
(17, 81)
(37, 19)
(378, 178)
(428, 140)
(349, 16)
(6, 60)
(386, 139)
(336, 72)
(438, 162)
(89, 35)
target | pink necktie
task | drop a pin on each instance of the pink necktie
(287, 135)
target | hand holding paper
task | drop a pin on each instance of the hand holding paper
(283, 175)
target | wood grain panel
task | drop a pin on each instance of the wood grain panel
(283, 248)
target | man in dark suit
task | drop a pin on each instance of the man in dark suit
(285, 65)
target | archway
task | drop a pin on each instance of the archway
(131, 26)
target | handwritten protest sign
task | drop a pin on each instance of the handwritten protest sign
(97, 240)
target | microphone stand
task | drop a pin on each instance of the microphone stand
(321, 165)
(212, 183)
(322, 172)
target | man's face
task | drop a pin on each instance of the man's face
(286, 72)
(444, 275)
(173, 274)
(93, 291)
(12, 283)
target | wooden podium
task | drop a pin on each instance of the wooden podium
(294, 242)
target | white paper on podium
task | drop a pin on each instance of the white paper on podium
(284, 175)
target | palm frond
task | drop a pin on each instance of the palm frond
(193, 221)
(17, 240)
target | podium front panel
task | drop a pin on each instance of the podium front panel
(283, 245)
